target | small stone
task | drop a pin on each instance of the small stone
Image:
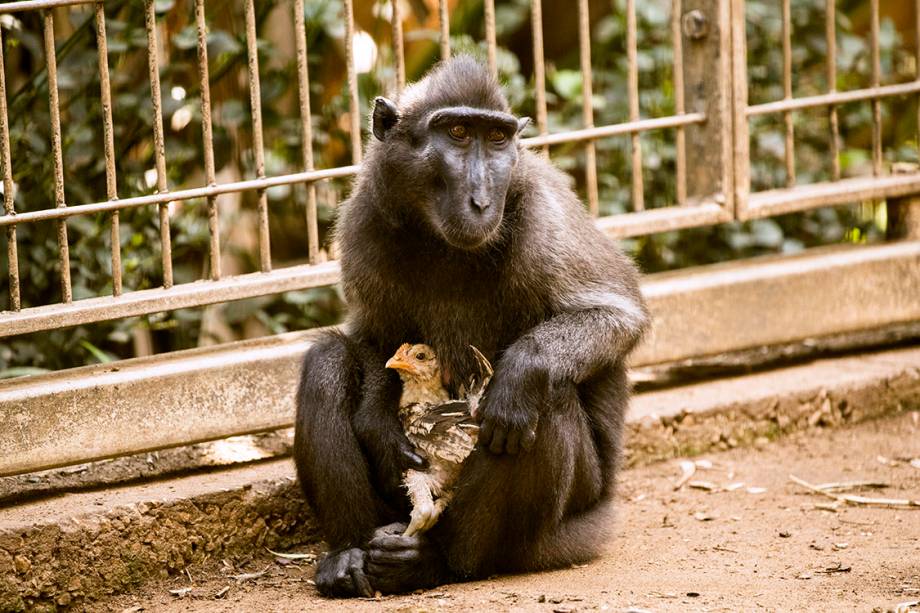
(22, 564)
(785, 534)
(761, 441)
(542, 598)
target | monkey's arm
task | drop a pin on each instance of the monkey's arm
(567, 347)
(378, 429)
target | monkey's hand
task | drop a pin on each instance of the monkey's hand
(397, 563)
(510, 411)
(341, 574)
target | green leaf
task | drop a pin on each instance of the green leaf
(99, 354)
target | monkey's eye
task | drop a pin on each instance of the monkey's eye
(421, 357)
(497, 136)
(458, 131)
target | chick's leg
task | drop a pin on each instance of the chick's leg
(423, 505)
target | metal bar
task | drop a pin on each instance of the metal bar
(539, 68)
(32, 5)
(58, 155)
(184, 295)
(159, 141)
(830, 35)
(208, 138)
(255, 100)
(638, 189)
(680, 144)
(249, 386)
(185, 194)
(835, 98)
(587, 108)
(617, 129)
(665, 219)
(491, 47)
(741, 142)
(444, 21)
(306, 128)
(9, 202)
(876, 103)
(831, 193)
(111, 181)
(353, 106)
(399, 51)
(787, 94)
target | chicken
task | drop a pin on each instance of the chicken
(442, 427)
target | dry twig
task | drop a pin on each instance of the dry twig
(899, 503)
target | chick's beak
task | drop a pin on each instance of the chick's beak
(397, 363)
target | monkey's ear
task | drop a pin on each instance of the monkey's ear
(523, 122)
(385, 117)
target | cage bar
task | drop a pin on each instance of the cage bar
(354, 108)
(32, 5)
(740, 130)
(306, 129)
(111, 181)
(830, 35)
(255, 100)
(638, 189)
(587, 109)
(539, 68)
(835, 98)
(399, 52)
(58, 155)
(208, 138)
(185, 194)
(680, 144)
(8, 196)
(876, 103)
(159, 142)
(787, 94)
(491, 46)
(444, 21)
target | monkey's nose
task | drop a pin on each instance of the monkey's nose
(479, 204)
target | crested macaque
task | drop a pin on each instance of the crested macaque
(455, 235)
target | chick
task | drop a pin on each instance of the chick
(441, 427)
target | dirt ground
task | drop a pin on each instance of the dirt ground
(762, 545)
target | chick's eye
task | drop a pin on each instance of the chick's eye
(420, 356)
(496, 135)
(458, 131)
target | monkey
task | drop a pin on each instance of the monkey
(456, 235)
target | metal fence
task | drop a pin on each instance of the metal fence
(711, 122)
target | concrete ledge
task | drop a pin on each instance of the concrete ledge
(186, 397)
(77, 547)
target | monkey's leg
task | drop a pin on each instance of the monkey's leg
(331, 466)
(546, 507)
(423, 505)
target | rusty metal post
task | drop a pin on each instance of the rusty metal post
(707, 63)
(903, 213)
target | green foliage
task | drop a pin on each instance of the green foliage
(139, 238)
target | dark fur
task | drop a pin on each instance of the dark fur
(547, 298)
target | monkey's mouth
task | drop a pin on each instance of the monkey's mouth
(462, 234)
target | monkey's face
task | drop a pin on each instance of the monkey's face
(472, 154)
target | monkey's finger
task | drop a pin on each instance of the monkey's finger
(392, 542)
(379, 557)
(413, 459)
(512, 444)
(485, 433)
(498, 440)
(528, 438)
(361, 583)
